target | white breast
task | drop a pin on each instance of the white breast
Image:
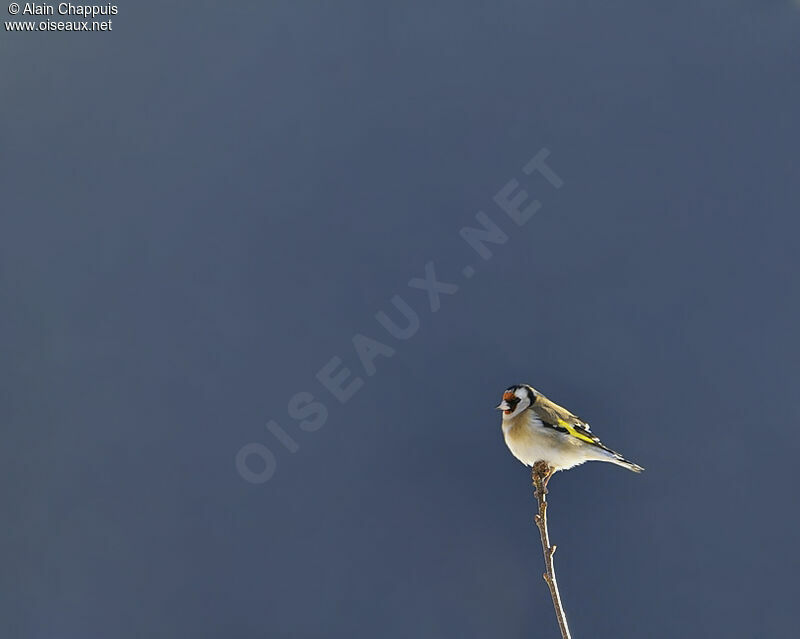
(530, 441)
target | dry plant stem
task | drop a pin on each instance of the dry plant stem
(541, 475)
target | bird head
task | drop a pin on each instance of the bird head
(516, 399)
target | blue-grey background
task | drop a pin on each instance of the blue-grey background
(202, 207)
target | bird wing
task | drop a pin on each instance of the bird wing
(559, 418)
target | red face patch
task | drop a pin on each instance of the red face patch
(508, 395)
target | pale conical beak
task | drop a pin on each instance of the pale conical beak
(503, 406)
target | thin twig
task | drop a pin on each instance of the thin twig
(541, 475)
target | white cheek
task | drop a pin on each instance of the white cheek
(520, 407)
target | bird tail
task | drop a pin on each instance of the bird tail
(619, 460)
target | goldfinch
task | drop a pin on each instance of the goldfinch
(536, 429)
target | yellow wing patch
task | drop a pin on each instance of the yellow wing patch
(575, 432)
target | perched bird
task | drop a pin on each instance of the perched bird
(536, 429)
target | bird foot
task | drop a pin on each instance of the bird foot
(541, 474)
